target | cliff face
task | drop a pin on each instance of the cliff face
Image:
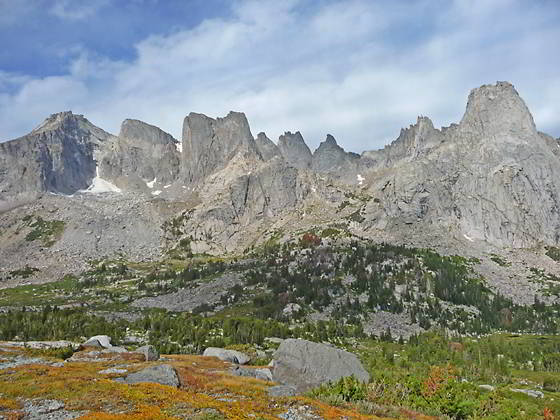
(492, 177)
(58, 157)
(142, 153)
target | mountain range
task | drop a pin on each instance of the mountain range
(488, 184)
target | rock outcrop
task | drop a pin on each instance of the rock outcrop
(140, 155)
(210, 144)
(58, 156)
(266, 147)
(231, 356)
(158, 374)
(294, 150)
(304, 364)
(491, 178)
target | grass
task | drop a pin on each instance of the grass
(47, 231)
(553, 253)
(502, 262)
(208, 391)
(24, 272)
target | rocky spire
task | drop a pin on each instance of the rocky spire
(209, 144)
(141, 153)
(266, 147)
(497, 110)
(328, 156)
(294, 150)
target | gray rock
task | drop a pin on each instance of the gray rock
(305, 365)
(231, 356)
(111, 371)
(294, 150)
(282, 391)
(266, 147)
(529, 392)
(159, 374)
(486, 387)
(98, 341)
(210, 144)
(149, 352)
(332, 159)
(261, 373)
(141, 153)
(114, 349)
(58, 157)
(48, 410)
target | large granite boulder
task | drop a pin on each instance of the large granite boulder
(159, 374)
(304, 364)
(232, 356)
(103, 341)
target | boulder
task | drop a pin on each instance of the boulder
(232, 356)
(282, 391)
(529, 392)
(160, 374)
(305, 365)
(263, 374)
(99, 341)
(149, 352)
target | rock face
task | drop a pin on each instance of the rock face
(492, 177)
(305, 365)
(58, 157)
(210, 144)
(159, 374)
(232, 356)
(294, 150)
(266, 147)
(141, 153)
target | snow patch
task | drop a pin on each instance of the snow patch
(156, 192)
(100, 185)
(468, 238)
(151, 183)
(179, 146)
(166, 186)
(360, 179)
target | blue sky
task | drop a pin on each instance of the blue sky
(358, 69)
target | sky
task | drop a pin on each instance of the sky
(357, 69)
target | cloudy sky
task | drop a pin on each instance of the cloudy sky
(358, 69)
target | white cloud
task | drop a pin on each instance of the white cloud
(355, 69)
(76, 9)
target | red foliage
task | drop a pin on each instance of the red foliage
(309, 239)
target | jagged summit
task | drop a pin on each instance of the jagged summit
(294, 150)
(209, 144)
(266, 147)
(59, 120)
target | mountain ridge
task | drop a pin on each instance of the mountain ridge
(492, 181)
